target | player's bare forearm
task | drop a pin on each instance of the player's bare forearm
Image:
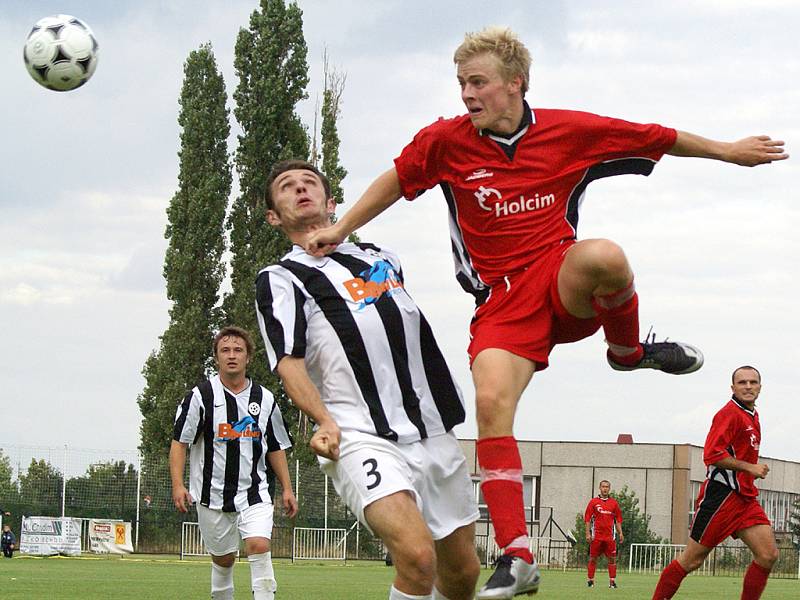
(305, 396)
(747, 152)
(277, 460)
(177, 460)
(380, 195)
(758, 470)
(301, 390)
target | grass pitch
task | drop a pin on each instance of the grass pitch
(166, 578)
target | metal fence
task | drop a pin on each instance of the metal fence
(313, 543)
(723, 560)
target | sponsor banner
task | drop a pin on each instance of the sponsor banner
(47, 536)
(112, 537)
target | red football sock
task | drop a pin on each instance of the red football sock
(670, 581)
(592, 567)
(612, 571)
(501, 483)
(619, 314)
(755, 580)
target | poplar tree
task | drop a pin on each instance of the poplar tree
(193, 267)
(270, 61)
(331, 110)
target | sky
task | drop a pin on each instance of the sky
(87, 175)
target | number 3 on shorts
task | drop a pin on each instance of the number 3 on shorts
(372, 471)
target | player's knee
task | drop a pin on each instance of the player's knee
(604, 259)
(767, 557)
(226, 560)
(417, 563)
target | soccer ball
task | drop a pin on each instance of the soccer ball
(60, 53)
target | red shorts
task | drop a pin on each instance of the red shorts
(720, 512)
(524, 314)
(605, 547)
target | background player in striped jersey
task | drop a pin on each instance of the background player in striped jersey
(234, 427)
(513, 179)
(727, 503)
(356, 355)
(602, 517)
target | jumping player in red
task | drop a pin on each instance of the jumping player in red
(513, 178)
(602, 517)
(727, 503)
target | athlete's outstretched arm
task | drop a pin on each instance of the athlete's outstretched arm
(380, 195)
(305, 396)
(747, 152)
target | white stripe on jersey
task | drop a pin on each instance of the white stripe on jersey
(230, 436)
(367, 347)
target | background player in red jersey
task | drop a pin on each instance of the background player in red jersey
(602, 517)
(727, 503)
(513, 178)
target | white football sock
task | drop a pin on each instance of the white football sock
(221, 582)
(395, 594)
(262, 576)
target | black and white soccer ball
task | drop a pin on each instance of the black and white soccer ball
(61, 53)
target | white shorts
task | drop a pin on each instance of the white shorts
(222, 531)
(434, 470)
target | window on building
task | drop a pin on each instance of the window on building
(778, 506)
(530, 486)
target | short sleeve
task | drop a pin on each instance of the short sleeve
(189, 418)
(281, 316)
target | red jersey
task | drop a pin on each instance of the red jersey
(505, 213)
(603, 513)
(735, 431)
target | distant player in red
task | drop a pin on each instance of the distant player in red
(514, 178)
(727, 503)
(602, 518)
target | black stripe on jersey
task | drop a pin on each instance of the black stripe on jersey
(272, 446)
(233, 455)
(623, 166)
(714, 496)
(467, 282)
(440, 381)
(336, 311)
(181, 420)
(207, 394)
(253, 497)
(274, 330)
(392, 321)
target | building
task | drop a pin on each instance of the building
(560, 478)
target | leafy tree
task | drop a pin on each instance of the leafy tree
(635, 527)
(8, 487)
(331, 101)
(107, 489)
(193, 266)
(40, 488)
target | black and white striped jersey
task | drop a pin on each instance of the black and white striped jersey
(229, 436)
(367, 347)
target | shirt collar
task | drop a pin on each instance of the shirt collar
(528, 119)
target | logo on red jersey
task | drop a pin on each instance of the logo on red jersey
(479, 174)
(503, 208)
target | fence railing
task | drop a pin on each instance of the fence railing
(312, 543)
(722, 560)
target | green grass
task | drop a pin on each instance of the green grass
(166, 578)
